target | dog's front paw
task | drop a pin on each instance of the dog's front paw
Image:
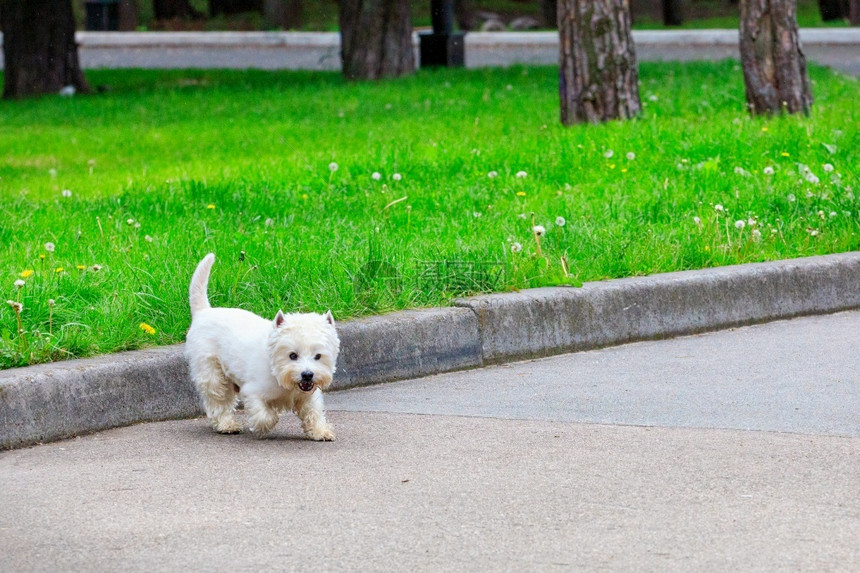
(229, 426)
(321, 433)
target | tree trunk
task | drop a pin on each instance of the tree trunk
(463, 15)
(286, 14)
(376, 39)
(673, 12)
(228, 7)
(773, 62)
(167, 9)
(832, 10)
(549, 9)
(597, 61)
(854, 12)
(39, 48)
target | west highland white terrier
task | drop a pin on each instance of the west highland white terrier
(272, 365)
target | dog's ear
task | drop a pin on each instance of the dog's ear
(279, 319)
(329, 318)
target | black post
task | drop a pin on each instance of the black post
(442, 47)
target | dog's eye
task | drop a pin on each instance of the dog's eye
(294, 356)
(318, 356)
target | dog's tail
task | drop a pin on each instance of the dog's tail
(197, 292)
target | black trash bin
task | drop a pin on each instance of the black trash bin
(102, 15)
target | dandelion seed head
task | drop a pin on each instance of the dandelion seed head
(608, 153)
(66, 193)
(522, 216)
(269, 222)
(768, 170)
(493, 174)
(832, 214)
(791, 198)
(740, 224)
(539, 230)
(522, 174)
(50, 247)
(376, 175)
(630, 156)
(51, 302)
(19, 283)
(397, 177)
(560, 221)
(16, 306)
(130, 221)
(719, 208)
(332, 166)
(516, 247)
(756, 235)
(147, 238)
(828, 168)
(697, 221)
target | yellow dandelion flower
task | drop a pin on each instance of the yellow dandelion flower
(42, 256)
(521, 193)
(82, 268)
(304, 196)
(59, 270)
(764, 128)
(624, 170)
(612, 166)
(707, 247)
(210, 206)
(785, 154)
(26, 273)
(147, 328)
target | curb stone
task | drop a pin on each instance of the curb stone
(545, 321)
(55, 401)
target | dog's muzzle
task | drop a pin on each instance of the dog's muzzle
(307, 382)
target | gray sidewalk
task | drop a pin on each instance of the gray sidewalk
(733, 450)
(835, 47)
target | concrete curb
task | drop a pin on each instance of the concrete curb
(545, 321)
(56, 401)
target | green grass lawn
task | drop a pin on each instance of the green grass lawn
(110, 200)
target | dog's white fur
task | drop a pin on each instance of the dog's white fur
(235, 353)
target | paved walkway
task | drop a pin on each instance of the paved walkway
(835, 47)
(736, 450)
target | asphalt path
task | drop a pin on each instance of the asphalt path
(731, 450)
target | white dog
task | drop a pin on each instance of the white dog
(273, 366)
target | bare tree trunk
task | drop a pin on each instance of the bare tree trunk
(376, 39)
(463, 15)
(167, 9)
(673, 12)
(228, 7)
(286, 14)
(549, 10)
(832, 10)
(773, 62)
(597, 60)
(39, 48)
(854, 12)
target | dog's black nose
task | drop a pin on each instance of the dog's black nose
(307, 376)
